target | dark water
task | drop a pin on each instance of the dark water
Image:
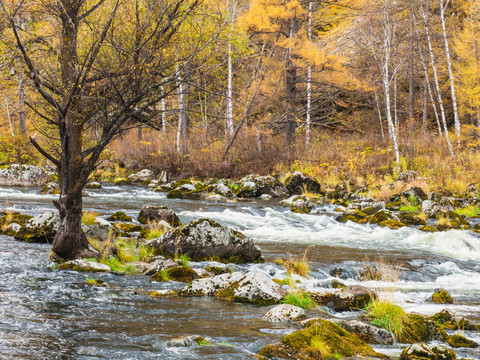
(47, 314)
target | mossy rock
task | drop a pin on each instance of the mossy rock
(181, 182)
(358, 217)
(392, 224)
(121, 181)
(218, 270)
(13, 218)
(196, 194)
(93, 185)
(179, 273)
(126, 228)
(441, 296)
(447, 319)
(304, 344)
(394, 205)
(119, 216)
(419, 328)
(162, 293)
(457, 341)
(451, 220)
(370, 210)
(381, 216)
(428, 229)
(411, 219)
(427, 352)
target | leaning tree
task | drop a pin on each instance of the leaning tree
(98, 69)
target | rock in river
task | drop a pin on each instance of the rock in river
(158, 213)
(255, 287)
(22, 175)
(427, 352)
(284, 312)
(203, 239)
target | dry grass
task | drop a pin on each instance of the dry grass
(333, 157)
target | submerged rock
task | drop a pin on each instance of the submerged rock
(298, 183)
(299, 204)
(352, 297)
(457, 341)
(158, 213)
(320, 335)
(427, 352)
(284, 312)
(83, 265)
(23, 175)
(441, 296)
(187, 341)
(203, 239)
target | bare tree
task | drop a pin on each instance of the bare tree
(93, 76)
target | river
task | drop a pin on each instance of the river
(48, 314)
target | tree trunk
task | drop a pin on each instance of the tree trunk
(70, 241)
(21, 96)
(291, 89)
(450, 73)
(411, 101)
(163, 107)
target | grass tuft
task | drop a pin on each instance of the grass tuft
(89, 218)
(300, 299)
(386, 315)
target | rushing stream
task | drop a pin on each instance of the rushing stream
(47, 314)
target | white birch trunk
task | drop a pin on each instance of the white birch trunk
(163, 107)
(309, 81)
(435, 79)
(181, 114)
(450, 72)
(379, 114)
(229, 126)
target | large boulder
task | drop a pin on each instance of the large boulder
(158, 213)
(366, 206)
(205, 239)
(255, 287)
(255, 186)
(41, 228)
(427, 352)
(23, 175)
(298, 183)
(352, 297)
(321, 339)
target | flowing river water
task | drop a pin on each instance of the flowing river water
(48, 314)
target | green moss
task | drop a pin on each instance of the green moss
(411, 219)
(394, 206)
(457, 341)
(182, 194)
(380, 216)
(392, 224)
(179, 273)
(442, 297)
(121, 181)
(119, 216)
(11, 218)
(419, 328)
(469, 211)
(216, 270)
(304, 344)
(357, 217)
(428, 229)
